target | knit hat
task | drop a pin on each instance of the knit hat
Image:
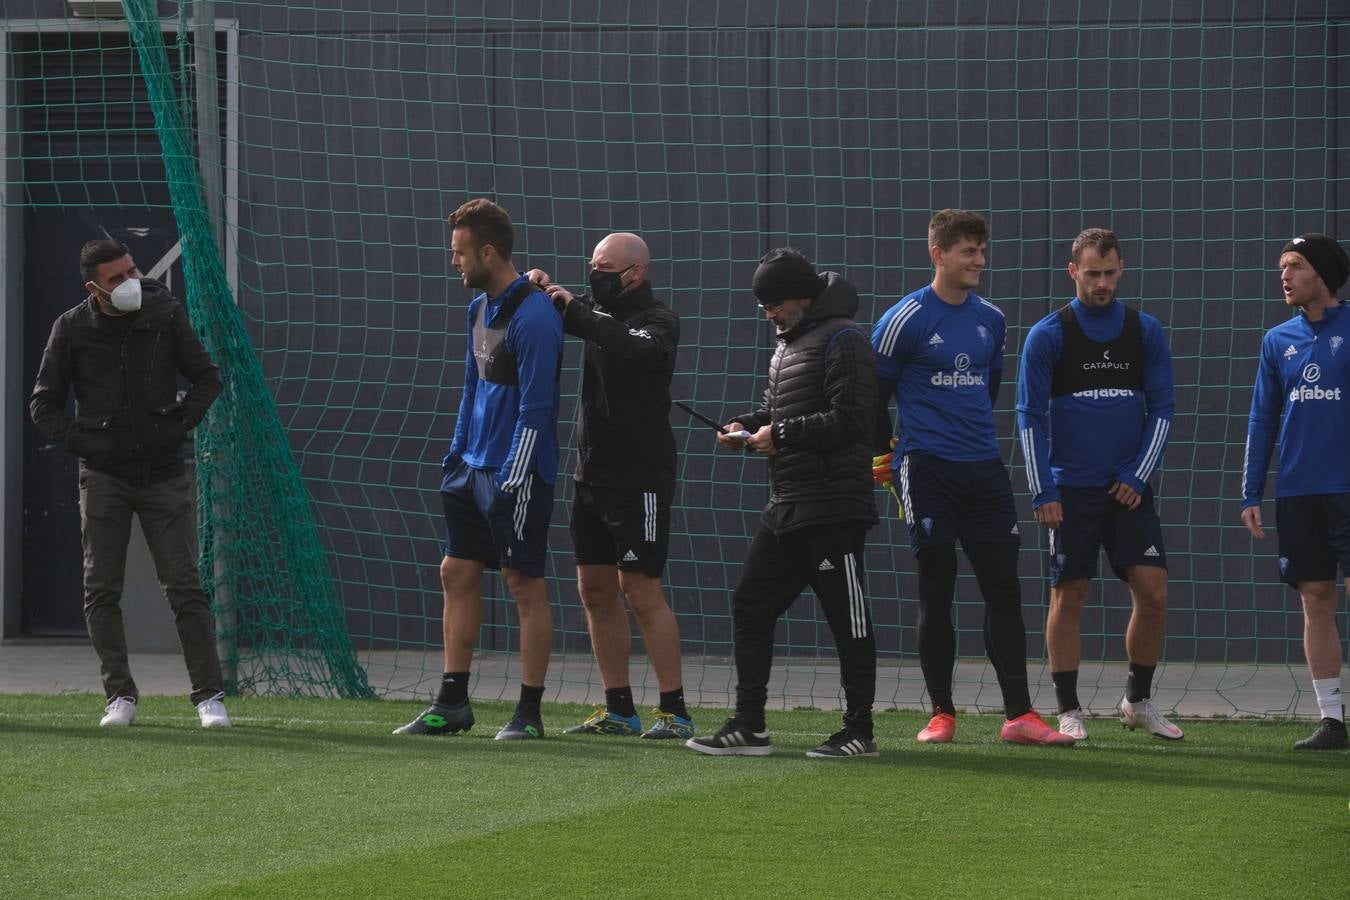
(784, 274)
(1326, 257)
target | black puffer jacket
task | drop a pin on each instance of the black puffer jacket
(821, 402)
(128, 420)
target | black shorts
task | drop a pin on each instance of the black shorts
(1093, 520)
(500, 530)
(946, 501)
(1314, 532)
(616, 527)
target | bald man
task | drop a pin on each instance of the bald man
(625, 480)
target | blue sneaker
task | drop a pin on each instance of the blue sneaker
(602, 721)
(668, 725)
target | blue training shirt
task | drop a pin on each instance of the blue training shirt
(1092, 438)
(513, 429)
(941, 358)
(1304, 373)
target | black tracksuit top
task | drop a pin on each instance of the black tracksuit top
(626, 441)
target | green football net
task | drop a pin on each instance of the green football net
(338, 135)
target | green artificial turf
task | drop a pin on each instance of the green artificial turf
(316, 798)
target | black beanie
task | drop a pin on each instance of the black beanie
(1324, 255)
(784, 274)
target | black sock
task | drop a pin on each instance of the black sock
(673, 702)
(1139, 683)
(454, 689)
(1066, 689)
(620, 701)
(529, 698)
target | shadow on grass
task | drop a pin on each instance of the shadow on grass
(316, 741)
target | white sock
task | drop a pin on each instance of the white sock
(1328, 692)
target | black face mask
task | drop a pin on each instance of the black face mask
(605, 286)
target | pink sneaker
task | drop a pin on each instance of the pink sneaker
(940, 729)
(1030, 728)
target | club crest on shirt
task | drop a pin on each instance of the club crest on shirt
(1284, 564)
(1336, 341)
(927, 525)
(983, 333)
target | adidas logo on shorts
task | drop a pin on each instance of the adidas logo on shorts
(1152, 551)
(630, 556)
(825, 566)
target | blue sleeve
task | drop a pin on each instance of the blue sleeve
(461, 436)
(1000, 344)
(1159, 397)
(1262, 426)
(1000, 332)
(892, 342)
(1039, 355)
(535, 337)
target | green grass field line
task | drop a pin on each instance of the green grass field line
(316, 798)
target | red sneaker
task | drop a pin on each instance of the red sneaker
(941, 729)
(1030, 728)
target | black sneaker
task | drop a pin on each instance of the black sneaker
(524, 726)
(438, 719)
(843, 744)
(734, 739)
(1330, 735)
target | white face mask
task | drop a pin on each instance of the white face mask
(126, 297)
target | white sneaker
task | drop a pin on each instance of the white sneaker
(212, 712)
(119, 713)
(1073, 723)
(1143, 714)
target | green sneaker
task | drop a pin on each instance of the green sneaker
(668, 725)
(438, 719)
(602, 721)
(524, 726)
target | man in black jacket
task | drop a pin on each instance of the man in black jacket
(625, 480)
(122, 350)
(815, 425)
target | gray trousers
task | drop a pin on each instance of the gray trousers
(107, 504)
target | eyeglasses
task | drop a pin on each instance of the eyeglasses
(771, 305)
(621, 272)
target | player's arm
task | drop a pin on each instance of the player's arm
(892, 346)
(996, 361)
(534, 336)
(651, 346)
(47, 405)
(460, 439)
(850, 399)
(883, 431)
(1160, 403)
(1262, 428)
(1039, 355)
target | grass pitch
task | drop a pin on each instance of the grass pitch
(316, 798)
